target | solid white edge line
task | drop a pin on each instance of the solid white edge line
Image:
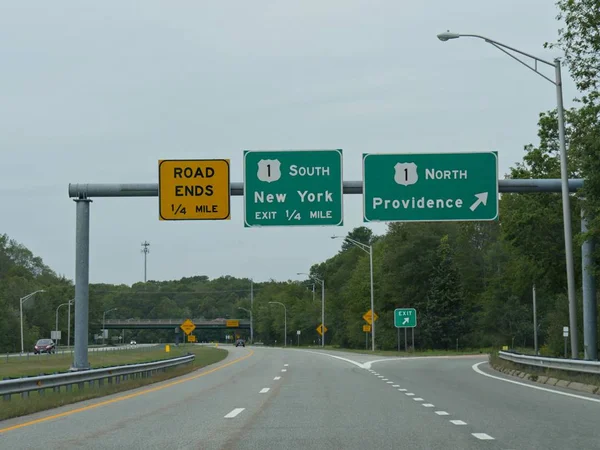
(233, 413)
(483, 436)
(362, 366)
(476, 368)
(458, 422)
(264, 390)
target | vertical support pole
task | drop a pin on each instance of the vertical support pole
(566, 204)
(590, 307)
(366, 341)
(398, 337)
(372, 299)
(412, 330)
(82, 273)
(323, 312)
(405, 340)
(535, 332)
(69, 326)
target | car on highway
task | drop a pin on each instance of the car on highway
(44, 346)
(240, 342)
(133, 343)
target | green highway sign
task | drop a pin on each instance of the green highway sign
(405, 317)
(293, 188)
(430, 187)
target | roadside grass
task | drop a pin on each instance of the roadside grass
(406, 354)
(585, 378)
(36, 402)
(15, 367)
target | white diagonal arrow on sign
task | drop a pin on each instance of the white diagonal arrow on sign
(481, 198)
(406, 320)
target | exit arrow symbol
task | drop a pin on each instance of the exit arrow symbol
(481, 198)
(406, 319)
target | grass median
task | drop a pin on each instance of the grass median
(22, 366)
(18, 406)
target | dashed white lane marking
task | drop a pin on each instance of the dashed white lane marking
(418, 399)
(264, 390)
(277, 378)
(428, 405)
(384, 379)
(442, 413)
(458, 422)
(395, 385)
(389, 382)
(233, 413)
(476, 368)
(285, 365)
(483, 436)
(402, 390)
(380, 376)
(410, 394)
(284, 370)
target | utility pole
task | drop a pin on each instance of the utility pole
(145, 251)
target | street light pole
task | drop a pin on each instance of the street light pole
(368, 249)
(104, 322)
(566, 201)
(249, 311)
(322, 304)
(69, 324)
(284, 321)
(56, 328)
(21, 301)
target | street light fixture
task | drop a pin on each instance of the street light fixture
(284, 321)
(21, 301)
(103, 322)
(322, 304)
(367, 249)
(566, 203)
(249, 311)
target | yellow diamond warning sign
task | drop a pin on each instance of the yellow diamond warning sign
(187, 326)
(370, 317)
(195, 189)
(321, 329)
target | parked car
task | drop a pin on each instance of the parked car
(240, 342)
(44, 346)
(133, 343)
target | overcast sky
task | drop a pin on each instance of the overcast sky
(98, 92)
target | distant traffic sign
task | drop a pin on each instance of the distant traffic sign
(293, 188)
(430, 187)
(321, 329)
(194, 189)
(405, 317)
(187, 326)
(367, 328)
(191, 338)
(369, 317)
(232, 323)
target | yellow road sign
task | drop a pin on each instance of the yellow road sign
(368, 318)
(195, 189)
(367, 328)
(233, 323)
(191, 338)
(321, 329)
(187, 326)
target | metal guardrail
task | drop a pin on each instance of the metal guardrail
(40, 383)
(573, 365)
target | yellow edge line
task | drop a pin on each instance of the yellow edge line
(124, 397)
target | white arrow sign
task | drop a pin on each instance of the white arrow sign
(481, 198)
(406, 320)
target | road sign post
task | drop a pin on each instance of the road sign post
(194, 189)
(566, 337)
(293, 188)
(405, 317)
(430, 187)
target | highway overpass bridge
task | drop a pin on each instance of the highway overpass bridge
(173, 324)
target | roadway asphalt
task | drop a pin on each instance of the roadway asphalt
(263, 398)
